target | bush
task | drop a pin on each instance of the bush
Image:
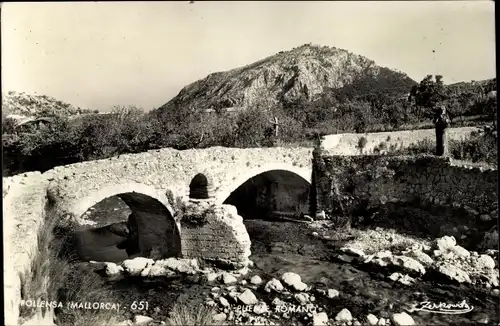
(185, 314)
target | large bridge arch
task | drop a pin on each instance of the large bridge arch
(269, 191)
(151, 230)
(225, 189)
(78, 206)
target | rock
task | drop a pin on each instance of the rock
(402, 319)
(219, 317)
(278, 302)
(256, 280)
(372, 319)
(485, 217)
(294, 281)
(188, 266)
(381, 322)
(332, 293)
(408, 264)
(346, 258)
(135, 266)
(223, 301)
(421, 257)
(320, 319)
(274, 285)
(210, 303)
(485, 262)
(453, 273)
(260, 308)
(321, 215)
(227, 278)
(460, 252)
(247, 297)
(301, 298)
(211, 277)
(344, 316)
(315, 234)
(142, 320)
(403, 279)
(112, 269)
(353, 251)
(495, 292)
(445, 243)
(490, 240)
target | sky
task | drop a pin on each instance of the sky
(99, 54)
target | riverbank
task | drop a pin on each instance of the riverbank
(308, 272)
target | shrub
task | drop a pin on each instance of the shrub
(362, 143)
(185, 314)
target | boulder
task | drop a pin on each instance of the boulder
(320, 319)
(227, 278)
(420, 256)
(142, 320)
(294, 281)
(248, 298)
(445, 243)
(301, 298)
(112, 269)
(372, 319)
(274, 285)
(332, 293)
(408, 264)
(460, 252)
(256, 280)
(402, 319)
(453, 273)
(219, 317)
(484, 262)
(135, 266)
(344, 316)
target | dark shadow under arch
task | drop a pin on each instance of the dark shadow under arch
(270, 195)
(142, 226)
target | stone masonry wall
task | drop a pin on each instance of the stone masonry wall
(374, 180)
(24, 201)
(215, 233)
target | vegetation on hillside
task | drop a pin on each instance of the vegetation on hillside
(28, 105)
(131, 130)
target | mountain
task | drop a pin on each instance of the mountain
(304, 73)
(22, 105)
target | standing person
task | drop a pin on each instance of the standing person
(441, 121)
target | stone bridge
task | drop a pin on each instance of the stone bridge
(149, 183)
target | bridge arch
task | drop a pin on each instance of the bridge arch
(151, 229)
(226, 189)
(268, 191)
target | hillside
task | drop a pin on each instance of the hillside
(303, 73)
(16, 104)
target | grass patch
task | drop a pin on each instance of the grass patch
(477, 148)
(185, 314)
(52, 278)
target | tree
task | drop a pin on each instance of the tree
(429, 93)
